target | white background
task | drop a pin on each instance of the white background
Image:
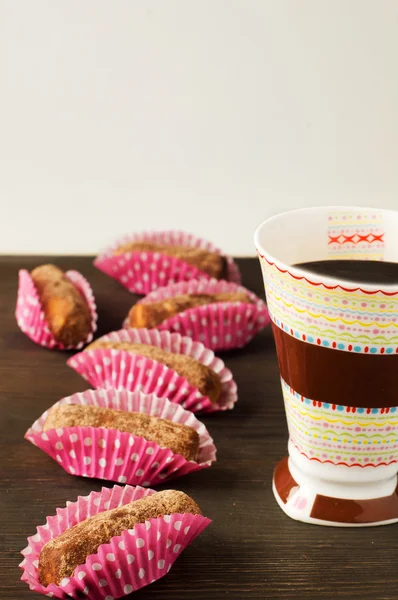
(206, 115)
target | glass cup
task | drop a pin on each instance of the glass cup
(337, 348)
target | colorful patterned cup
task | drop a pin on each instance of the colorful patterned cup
(337, 347)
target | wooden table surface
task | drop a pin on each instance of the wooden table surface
(251, 550)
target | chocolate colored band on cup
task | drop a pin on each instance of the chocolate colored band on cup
(285, 485)
(337, 510)
(340, 510)
(327, 375)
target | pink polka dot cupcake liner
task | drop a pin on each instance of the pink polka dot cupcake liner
(220, 326)
(128, 562)
(30, 314)
(142, 272)
(119, 456)
(104, 368)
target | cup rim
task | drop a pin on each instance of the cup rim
(297, 272)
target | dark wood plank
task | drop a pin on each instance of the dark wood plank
(252, 550)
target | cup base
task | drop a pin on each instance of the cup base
(301, 501)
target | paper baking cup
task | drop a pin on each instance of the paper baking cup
(129, 562)
(142, 272)
(121, 369)
(118, 456)
(30, 314)
(220, 326)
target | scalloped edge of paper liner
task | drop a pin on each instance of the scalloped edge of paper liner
(128, 562)
(119, 456)
(176, 343)
(30, 315)
(219, 326)
(105, 368)
(142, 272)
